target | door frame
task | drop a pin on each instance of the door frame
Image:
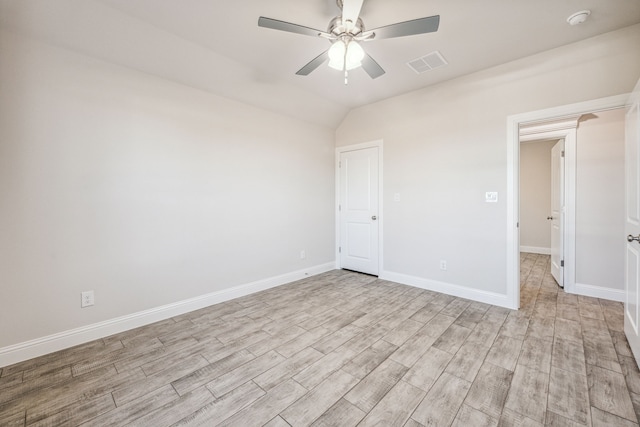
(513, 186)
(355, 147)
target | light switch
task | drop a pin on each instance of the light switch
(396, 197)
(491, 197)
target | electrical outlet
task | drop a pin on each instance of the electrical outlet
(86, 299)
(303, 254)
(443, 265)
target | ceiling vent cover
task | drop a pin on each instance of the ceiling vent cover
(427, 62)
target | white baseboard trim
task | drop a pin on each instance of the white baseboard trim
(599, 292)
(59, 341)
(448, 288)
(535, 250)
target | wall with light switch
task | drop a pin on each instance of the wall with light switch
(445, 146)
(148, 192)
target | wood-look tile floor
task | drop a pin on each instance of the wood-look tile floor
(345, 349)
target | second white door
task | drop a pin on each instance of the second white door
(632, 224)
(359, 210)
(557, 212)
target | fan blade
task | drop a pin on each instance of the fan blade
(351, 10)
(372, 67)
(275, 24)
(407, 28)
(315, 63)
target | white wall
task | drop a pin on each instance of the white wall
(535, 196)
(446, 145)
(146, 191)
(600, 237)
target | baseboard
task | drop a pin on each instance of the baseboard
(599, 292)
(59, 341)
(448, 288)
(535, 250)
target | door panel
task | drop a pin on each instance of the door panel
(557, 212)
(359, 238)
(632, 221)
(358, 176)
(359, 210)
(631, 303)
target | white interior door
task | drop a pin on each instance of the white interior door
(632, 221)
(359, 210)
(557, 212)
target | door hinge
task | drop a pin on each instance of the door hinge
(339, 249)
(562, 154)
(340, 164)
(339, 208)
(517, 225)
(562, 263)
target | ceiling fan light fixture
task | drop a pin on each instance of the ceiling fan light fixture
(346, 31)
(345, 55)
(336, 55)
(355, 55)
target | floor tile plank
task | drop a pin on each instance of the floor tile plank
(374, 386)
(468, 416)
(605, 419)
(569, 395)
(424, 373)
(442, 402)
(343, 414)
(608, 392)
(488, 392)
(208, 373)
(268, 406)
(395, 407)
(528, 393)
(240, 375)
(365, 362)
(505, 352)
(223, 408)
(313, 404)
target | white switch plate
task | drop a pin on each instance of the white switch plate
(491, 196)
(396, 197)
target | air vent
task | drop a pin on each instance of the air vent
(427, 62)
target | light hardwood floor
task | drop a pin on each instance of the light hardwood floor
(345, 349)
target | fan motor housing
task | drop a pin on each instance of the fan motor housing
(338, 28)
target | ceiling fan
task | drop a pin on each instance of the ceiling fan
(346, 31)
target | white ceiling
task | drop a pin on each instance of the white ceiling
(217, 46)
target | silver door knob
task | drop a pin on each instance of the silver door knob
(374, 217)
(631, 238)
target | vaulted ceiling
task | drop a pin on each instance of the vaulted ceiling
(217, 46)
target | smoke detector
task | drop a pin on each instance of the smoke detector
(578, 17)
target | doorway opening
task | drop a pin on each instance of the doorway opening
(542, 202)
(545, 124)
(559, 135)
